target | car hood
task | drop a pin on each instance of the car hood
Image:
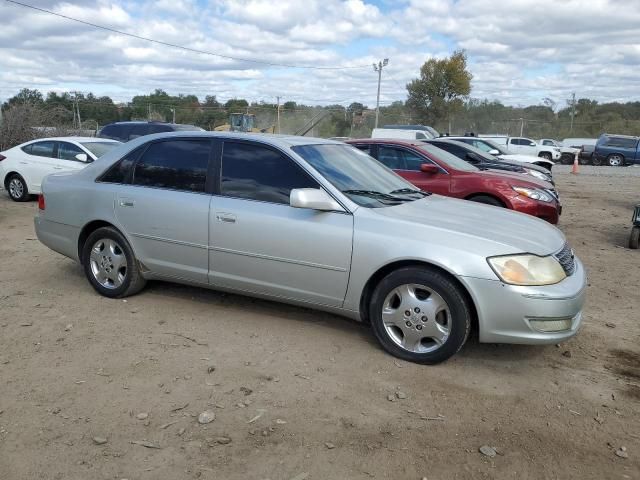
(515, 178)
(514, 232)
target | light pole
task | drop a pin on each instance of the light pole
(378, 68)
(173, 111)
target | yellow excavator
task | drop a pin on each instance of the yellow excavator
(243, 122)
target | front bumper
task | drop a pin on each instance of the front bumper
(509, 313)
(549, 211)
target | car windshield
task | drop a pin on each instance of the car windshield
(360, 177)
(490, 145)
(99, 148)
(448, 159)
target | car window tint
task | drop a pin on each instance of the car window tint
(621, 142)
(421, 136)
(482, 146)
(138, 131)
(364, 148)
(120, 171)
(174, 164)
(42, 149)
(68, 151)
(27, 148)
(259, 173)
(399, 158)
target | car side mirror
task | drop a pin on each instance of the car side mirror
(494, 151)
(429, 168)
(82, 157)
(314, 199)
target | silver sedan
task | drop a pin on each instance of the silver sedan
(316, 223)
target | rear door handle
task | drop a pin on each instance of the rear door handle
(126, 202)
(225, 217)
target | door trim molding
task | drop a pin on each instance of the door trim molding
(167, 240)
(278, 259)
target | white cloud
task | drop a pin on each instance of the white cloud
(519, 51)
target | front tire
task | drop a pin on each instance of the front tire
(615, 160)
(487, 200)
(420, 315)
(110, 265)
(596, 161)
(545, 155)
(634, 238)
(17, 188)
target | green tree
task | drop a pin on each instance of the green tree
(441, 89)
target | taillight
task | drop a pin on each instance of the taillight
(2, 157)
(41, 202)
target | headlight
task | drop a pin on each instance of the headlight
(556, 149)
(534, 193)
(527, 269)
(537, 174)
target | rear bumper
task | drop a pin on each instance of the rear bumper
(512, 314)
(58, 236)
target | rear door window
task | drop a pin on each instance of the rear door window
(175, 165)
(43, 149)
(400, 159)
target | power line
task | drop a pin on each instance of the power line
(181, 47)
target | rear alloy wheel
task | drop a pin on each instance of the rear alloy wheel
(418, 314)
(17, 188)
(634, 238)
(487, 200)
(110, 265)
(615, 160)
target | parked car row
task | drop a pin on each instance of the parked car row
(325, 225)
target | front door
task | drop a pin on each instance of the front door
(260, 244)
(165, 209)
(406, 163)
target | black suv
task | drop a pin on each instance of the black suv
(125, 131)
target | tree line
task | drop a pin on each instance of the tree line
(440, 96)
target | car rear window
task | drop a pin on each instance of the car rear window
(621, 142)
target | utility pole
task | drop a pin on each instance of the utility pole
(573, 110)
(148, 112)
(378, 68)
(278, 117)
(521, 126)
(173, 110)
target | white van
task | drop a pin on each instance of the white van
(400, 134)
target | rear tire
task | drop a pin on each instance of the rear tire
(566, 159)
(420, 315)
(17, 188)
(110, 264)
(546, 156)
(634, 238)
(487, 200)
(596, 161)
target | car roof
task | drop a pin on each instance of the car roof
(632, 137)
(282, 141)
(73, 139)
(394, 141)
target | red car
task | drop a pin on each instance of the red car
(434, 170)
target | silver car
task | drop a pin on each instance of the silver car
(316, 223)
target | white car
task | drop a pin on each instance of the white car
(526, 146)
(492, 147)
(567, 152)
(23, 167)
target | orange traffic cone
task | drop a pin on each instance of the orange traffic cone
(575, 163)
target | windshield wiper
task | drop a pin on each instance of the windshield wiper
(411, 190)
(374, 194)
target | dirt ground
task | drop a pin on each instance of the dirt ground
(304, 395)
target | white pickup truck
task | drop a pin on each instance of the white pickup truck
(567, 154)
(526, 146)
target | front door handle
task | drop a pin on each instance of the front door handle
(125, 202)
(225, 217)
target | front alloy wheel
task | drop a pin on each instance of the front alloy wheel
(420, 314)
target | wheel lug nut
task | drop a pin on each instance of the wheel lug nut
(408, 324)
(417, 310)
(424, 319)
(407, 313)
(419, 327)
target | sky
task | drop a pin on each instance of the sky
(519, 51)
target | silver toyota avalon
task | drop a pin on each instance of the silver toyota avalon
(316, 223)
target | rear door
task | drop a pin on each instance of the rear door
(39, 162)
(165, 208)
(260, 244)
(406, 163)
